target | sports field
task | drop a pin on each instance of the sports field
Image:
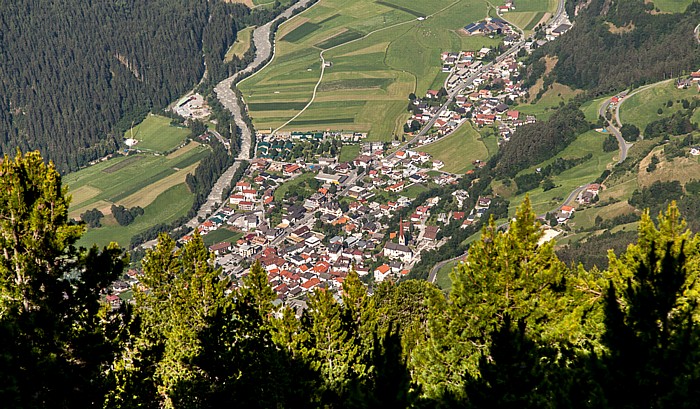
(155, 134)
(380, 52)
(154, 182)
(241, 45)
(459, 149)
(642, 108)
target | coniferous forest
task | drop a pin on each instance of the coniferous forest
(77, 74)
(519, 329)
(615, 44)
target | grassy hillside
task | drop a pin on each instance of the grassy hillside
(156, 134)
(459, 149)
(567, 181)
(642, 108)
(154, 182)
(241, 45)
(367, 86)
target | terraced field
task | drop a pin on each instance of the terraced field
(372, 71)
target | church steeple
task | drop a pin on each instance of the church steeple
(402, 233)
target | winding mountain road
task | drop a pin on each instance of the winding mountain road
(432, 276)
(614, 130)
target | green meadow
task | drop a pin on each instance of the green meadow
(459, 149)
(672, 6)
(156, 183)
(642, 108)
(567, 181)
(156, 134)
(241, 45)
(375, 63)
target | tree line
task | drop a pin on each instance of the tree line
(519, 328)
(78, 74)
(534, 143)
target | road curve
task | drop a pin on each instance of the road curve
(432, 276)
(621, 143)
(264, 49)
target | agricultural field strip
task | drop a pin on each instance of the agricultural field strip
(110, 185)
(318, 83)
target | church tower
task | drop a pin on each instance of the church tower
(402, 234)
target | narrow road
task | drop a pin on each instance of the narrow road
(469, 80)
(264, 49)
(697, 33)
(323, 61)
(615, 131)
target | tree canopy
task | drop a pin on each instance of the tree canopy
(519, 329)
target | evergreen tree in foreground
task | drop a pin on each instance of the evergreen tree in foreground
(56, 338)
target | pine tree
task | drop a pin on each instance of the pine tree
(183, 291)
(505, 273)
(651, 310)
(55, 332)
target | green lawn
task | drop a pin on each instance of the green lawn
(567, 181)
(241, 45)
(156, 134)
(349, 152)
(459, 149)
(292, 185)
(413, 191)
(221, 235)
(168, 206)
(367, 86)
(642, 108)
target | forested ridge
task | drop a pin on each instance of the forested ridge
(519, 329)
(616, 44)
(74, 75)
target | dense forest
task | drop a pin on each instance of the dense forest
(519, 328)
(615, 44)
(76, 74)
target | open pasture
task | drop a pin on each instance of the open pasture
(459, 149)
(642, 108)
(156, 134)
(565, 182)
(156, 183)
(373, 63)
